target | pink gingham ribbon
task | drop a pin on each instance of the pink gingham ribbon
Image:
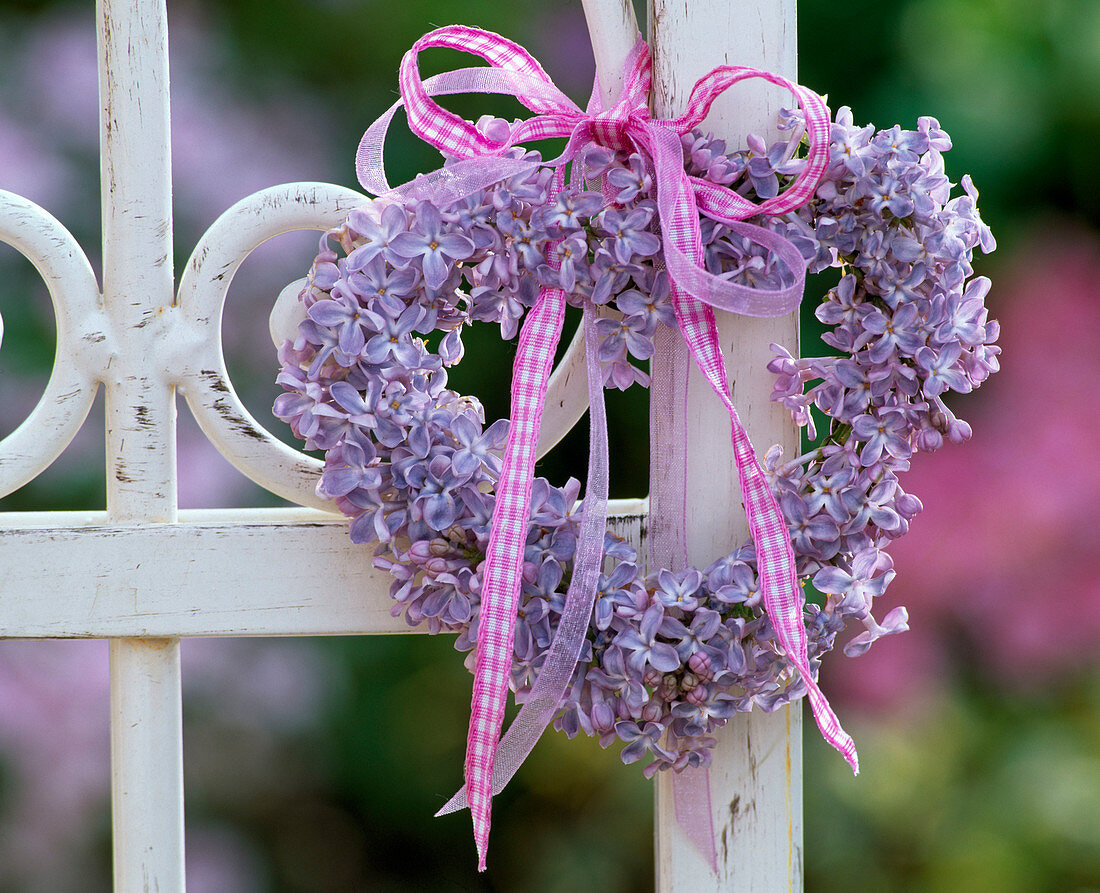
(479, 161)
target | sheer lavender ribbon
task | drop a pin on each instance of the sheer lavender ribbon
(479, 161)
(667, 544)
(556, 673)
(546, 694)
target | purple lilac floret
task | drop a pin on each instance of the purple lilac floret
(670, 656)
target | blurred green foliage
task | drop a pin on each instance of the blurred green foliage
(995, 791)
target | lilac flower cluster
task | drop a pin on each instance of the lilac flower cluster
(670, 656)
(909, 324)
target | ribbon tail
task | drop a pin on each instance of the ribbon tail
(504, 557)
(781, 594)
(668, 460)
(561, 661)
(694, 814)
(668, 544)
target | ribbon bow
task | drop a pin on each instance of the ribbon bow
(479, 160)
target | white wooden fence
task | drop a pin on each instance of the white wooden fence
(143, 574)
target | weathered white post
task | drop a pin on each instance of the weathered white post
(138, 286)
(756, 777)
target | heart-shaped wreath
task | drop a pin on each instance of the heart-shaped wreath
(668, 656)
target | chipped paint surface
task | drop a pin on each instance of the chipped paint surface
(234, 572)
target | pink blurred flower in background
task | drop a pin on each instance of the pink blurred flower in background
(54, 712)
(54, 748)
(1000, 568)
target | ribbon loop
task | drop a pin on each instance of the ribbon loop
(445, 130)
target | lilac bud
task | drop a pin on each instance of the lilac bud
(437, 565)
(700, 664)
(959, 431)
(451, 348)
(496, 129)
(908, 506)
(698, 695)
(929, 440)
(603, 717)
(420, 552)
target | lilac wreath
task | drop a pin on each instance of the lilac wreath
(670, 657)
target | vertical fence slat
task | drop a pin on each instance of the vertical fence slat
(146, 715)
(147, 773)
(756, 779)
(138, 287)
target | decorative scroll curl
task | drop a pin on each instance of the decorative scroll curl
(189, 353)
(83, 341)
(199, 370)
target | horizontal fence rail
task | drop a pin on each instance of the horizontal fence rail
(226, 572)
